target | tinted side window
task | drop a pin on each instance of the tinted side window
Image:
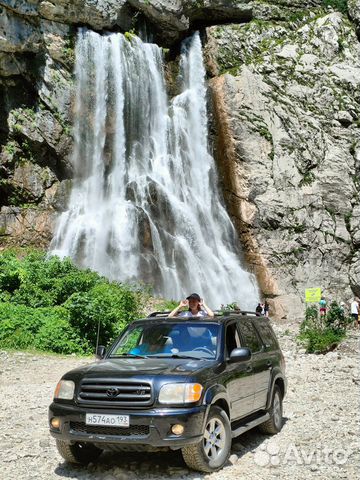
(249, 336)
(232, 338)
(267, 335)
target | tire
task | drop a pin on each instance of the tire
(213, 451)
(275, 422)
(78, 452)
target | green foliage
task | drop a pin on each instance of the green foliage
(43, 328)
(130, 35)
(299, 228)
(108, 303)
(229, 307)
(10, 148)
(166, 305)
(51, 305)
(322, 341)
(321, 334)
(307, 179)
(340, 5)
(60, 337)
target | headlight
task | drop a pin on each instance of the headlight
(180, 393)
(65, 390)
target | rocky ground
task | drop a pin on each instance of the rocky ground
(320, 436)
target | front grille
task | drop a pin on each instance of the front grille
(132, 431)
(113, 392)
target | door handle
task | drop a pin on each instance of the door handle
(249, 368)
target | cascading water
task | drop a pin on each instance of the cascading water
(145, 203)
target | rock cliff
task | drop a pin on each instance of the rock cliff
(284, 77)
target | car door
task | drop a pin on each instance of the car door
(260, 362)
(238, 377)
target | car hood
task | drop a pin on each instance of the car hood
(120, 367)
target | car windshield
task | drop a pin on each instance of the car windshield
(177, 340)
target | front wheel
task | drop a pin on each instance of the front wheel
(212, 452)
(274, 424)
(78, 452)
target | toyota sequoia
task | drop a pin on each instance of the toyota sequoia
(168, 383)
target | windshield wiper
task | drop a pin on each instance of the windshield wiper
(133, 355)
(175, 355)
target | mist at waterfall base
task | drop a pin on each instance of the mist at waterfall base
(145, 204)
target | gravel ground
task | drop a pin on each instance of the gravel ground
(320, 436)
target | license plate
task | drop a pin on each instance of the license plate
(107, 420)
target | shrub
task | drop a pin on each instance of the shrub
(57, 335)
(166, 305)
(322, 341)
(321, 334)
(336, 320)
(112, 305)
(43, 328)
(50, 304)
(340, 5)
(10, 273)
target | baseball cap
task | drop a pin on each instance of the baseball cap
(194, 296)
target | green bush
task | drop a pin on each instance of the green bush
(322, 341)
(321, 334)
(42, 328)
(165, 305)
(110, 304)
(60, 337)
(52, 305)
(340, 5)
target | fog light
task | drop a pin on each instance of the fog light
(177, 429)
(55, 422)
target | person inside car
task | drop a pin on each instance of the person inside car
(196, 308)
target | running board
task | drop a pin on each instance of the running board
(248, 426)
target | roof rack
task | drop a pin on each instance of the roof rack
(234, 312)
(218, 313)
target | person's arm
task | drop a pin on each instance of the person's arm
(207, 309)
(183, 303)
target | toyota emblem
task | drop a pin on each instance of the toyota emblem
(112, 392)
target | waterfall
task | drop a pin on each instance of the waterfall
(145, 204)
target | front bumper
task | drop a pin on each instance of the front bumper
(147, 427)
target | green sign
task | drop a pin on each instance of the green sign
(312, 295)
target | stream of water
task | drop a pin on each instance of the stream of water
(145, 204)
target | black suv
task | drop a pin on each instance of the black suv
(173, 383)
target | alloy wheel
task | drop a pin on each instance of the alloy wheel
(214, 438)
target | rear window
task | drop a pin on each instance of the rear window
(267, 335)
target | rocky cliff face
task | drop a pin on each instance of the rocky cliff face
(287, 99)
(284, 77)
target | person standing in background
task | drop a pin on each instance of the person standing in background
(258, 310)
(322, 304)
(354, 309)
(266, 308)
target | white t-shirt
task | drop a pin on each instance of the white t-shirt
(354, 307)
(187, 313)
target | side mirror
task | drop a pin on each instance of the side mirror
(240, 355)
(100, 352)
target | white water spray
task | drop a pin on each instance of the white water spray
(145, 204)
